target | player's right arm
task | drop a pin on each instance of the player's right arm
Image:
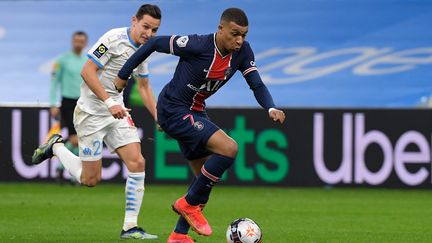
(175, 45)
(99, 55)
(89, 75)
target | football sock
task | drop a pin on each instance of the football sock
(134, 192)
(70, 161)
(210, 174)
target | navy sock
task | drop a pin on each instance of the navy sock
(210, 174)
(182, 226)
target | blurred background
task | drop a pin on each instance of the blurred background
(352, 162)
(310, 53)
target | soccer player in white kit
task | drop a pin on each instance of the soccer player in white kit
(100, 116)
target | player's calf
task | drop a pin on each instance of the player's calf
(90, 181)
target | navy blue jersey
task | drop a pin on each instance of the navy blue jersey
(201, 71)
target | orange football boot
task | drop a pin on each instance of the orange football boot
(179, 238)
(193, 216)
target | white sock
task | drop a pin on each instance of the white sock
(134, 192)
(70, 161)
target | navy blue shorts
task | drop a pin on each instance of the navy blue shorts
(192, 130)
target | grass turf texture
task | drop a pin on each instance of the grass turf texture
(54, 213)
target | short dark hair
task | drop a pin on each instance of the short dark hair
(80, 32)
(149, 9)
(235, 15)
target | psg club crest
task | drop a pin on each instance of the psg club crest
(228, 71)
(198, 125)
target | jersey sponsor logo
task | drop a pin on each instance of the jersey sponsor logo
(192, 87)
(182, 41)
(252, 63)
(102, 49)
(209, 86)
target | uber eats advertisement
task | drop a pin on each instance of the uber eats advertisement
(314, 147)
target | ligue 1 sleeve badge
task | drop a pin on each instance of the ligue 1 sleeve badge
(102, 49)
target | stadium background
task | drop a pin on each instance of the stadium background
(352, 76)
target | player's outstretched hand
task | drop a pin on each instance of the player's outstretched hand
(118, 111)
(120, 84)
(277, 115)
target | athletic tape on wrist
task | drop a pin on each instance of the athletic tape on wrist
(110, 102)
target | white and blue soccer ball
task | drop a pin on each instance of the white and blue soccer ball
(243, 230)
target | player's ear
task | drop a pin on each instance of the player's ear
(220, 27)
(134, 19)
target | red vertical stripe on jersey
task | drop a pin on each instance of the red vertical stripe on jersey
(198, 101)
(216, 71)
(219, 66)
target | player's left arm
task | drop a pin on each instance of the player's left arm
(263, 96)
(261, 93)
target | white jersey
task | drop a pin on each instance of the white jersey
(110, 53)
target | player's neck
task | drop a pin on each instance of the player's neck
(220, 47)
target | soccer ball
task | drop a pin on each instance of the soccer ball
(243, 230)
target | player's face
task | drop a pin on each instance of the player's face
(79, 42)
(232, 35)
(145, 28)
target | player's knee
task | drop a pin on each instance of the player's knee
(90, 181)
(231, 148)
(137, 164)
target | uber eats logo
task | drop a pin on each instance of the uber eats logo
(261, 155)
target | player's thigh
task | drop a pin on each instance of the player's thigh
(90, 146)
(123, 139)
(221, 143)
(132, 157)
(192, 131)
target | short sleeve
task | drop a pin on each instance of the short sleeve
(101, 52)
(142, 70)
(248, 61)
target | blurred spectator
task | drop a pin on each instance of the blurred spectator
(66, 77)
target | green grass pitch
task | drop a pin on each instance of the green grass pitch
(53, 213)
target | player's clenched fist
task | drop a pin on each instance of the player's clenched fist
(277, 115)
(116, 110)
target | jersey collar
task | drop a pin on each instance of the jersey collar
(130, 39)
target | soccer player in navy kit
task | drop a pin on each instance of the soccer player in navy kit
(206, 63)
